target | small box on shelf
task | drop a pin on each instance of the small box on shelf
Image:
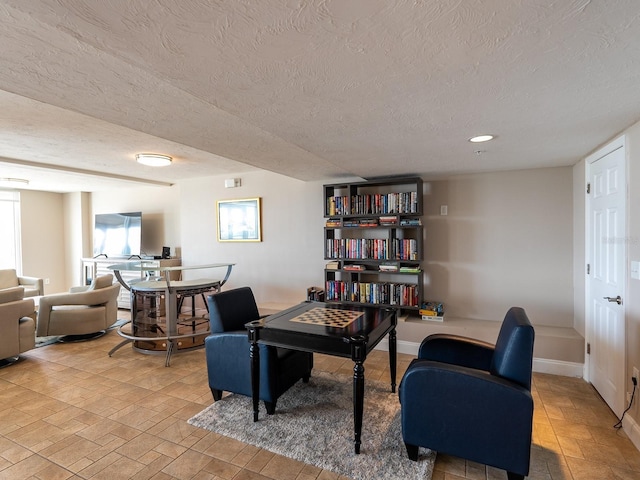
(432, 311)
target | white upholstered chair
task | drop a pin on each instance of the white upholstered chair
(17, 325)
(33, 286)
(81, 314)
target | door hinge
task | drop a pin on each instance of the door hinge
(588, 188)
(588, 268)
(588, 349)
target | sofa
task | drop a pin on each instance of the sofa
(32, 286)
(17, 325)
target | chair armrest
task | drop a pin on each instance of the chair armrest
(457, 350)
(36, 282)
(11, 294)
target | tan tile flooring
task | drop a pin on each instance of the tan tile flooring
(70, 411)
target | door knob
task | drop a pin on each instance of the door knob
(617, 299)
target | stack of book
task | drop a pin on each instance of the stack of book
(388, 267)
(432, 311)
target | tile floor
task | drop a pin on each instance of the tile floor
(70, 411)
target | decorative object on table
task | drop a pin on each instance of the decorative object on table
(33, 286)
(315, 294)
(17, 326)
(82, 314)
(227, 352)
(239, 220)
(313, 424)
(472, 399)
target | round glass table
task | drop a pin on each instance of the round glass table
(157, 325)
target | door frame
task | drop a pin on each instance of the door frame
(615, 144)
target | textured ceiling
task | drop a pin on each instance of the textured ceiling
(310, 89)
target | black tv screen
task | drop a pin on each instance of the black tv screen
(117, 234)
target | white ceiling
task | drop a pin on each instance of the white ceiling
(311, 89)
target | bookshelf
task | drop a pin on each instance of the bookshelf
(373, 241)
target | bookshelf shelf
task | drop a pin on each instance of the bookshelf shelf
(376, 226)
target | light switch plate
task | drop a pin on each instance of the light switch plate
(635, 269)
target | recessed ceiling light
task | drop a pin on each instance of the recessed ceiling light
(481, 138)
(153, 159)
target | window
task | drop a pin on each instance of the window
(10, 254)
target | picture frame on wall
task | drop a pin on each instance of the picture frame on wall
(239, 220)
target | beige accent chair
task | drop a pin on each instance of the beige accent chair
(83, 313)
(33, 287)
(17, 325)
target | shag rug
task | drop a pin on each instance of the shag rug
(313, 423)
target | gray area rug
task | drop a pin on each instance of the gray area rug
(313, 423)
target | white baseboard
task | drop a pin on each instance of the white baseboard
(632, 429)
(540, 365)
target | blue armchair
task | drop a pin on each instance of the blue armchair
(471, 399)
(227, 352)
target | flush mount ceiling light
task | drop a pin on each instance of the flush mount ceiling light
(153, 159)
(481, 138)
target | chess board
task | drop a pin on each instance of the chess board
(328, 317)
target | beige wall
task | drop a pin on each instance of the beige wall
(43, 238)
(290, 257)
(506, 241)
(160, 207)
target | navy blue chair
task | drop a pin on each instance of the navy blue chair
(471, 399)
(227, 352)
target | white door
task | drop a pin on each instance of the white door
(607, 242)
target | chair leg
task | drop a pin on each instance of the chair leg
(514, 476)
(217, 394)
(412, 451)
(271, 407)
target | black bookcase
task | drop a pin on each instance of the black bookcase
(374, 243)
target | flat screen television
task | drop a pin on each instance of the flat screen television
(117, 234)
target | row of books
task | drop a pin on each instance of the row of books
(378, 203)
(384, 221)
(372, 248)
(385, 267)
(400, 294)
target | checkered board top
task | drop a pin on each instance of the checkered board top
(328, 317)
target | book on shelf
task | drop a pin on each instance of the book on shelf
(332, 266)
(410, 269)
(385, 267)
(388, 220)
(356, 268)
(410, 222)
(333, 222)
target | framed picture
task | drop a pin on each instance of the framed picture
(239, 220)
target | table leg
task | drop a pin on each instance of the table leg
(358, 402)
(254, 354)
(393, 356)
